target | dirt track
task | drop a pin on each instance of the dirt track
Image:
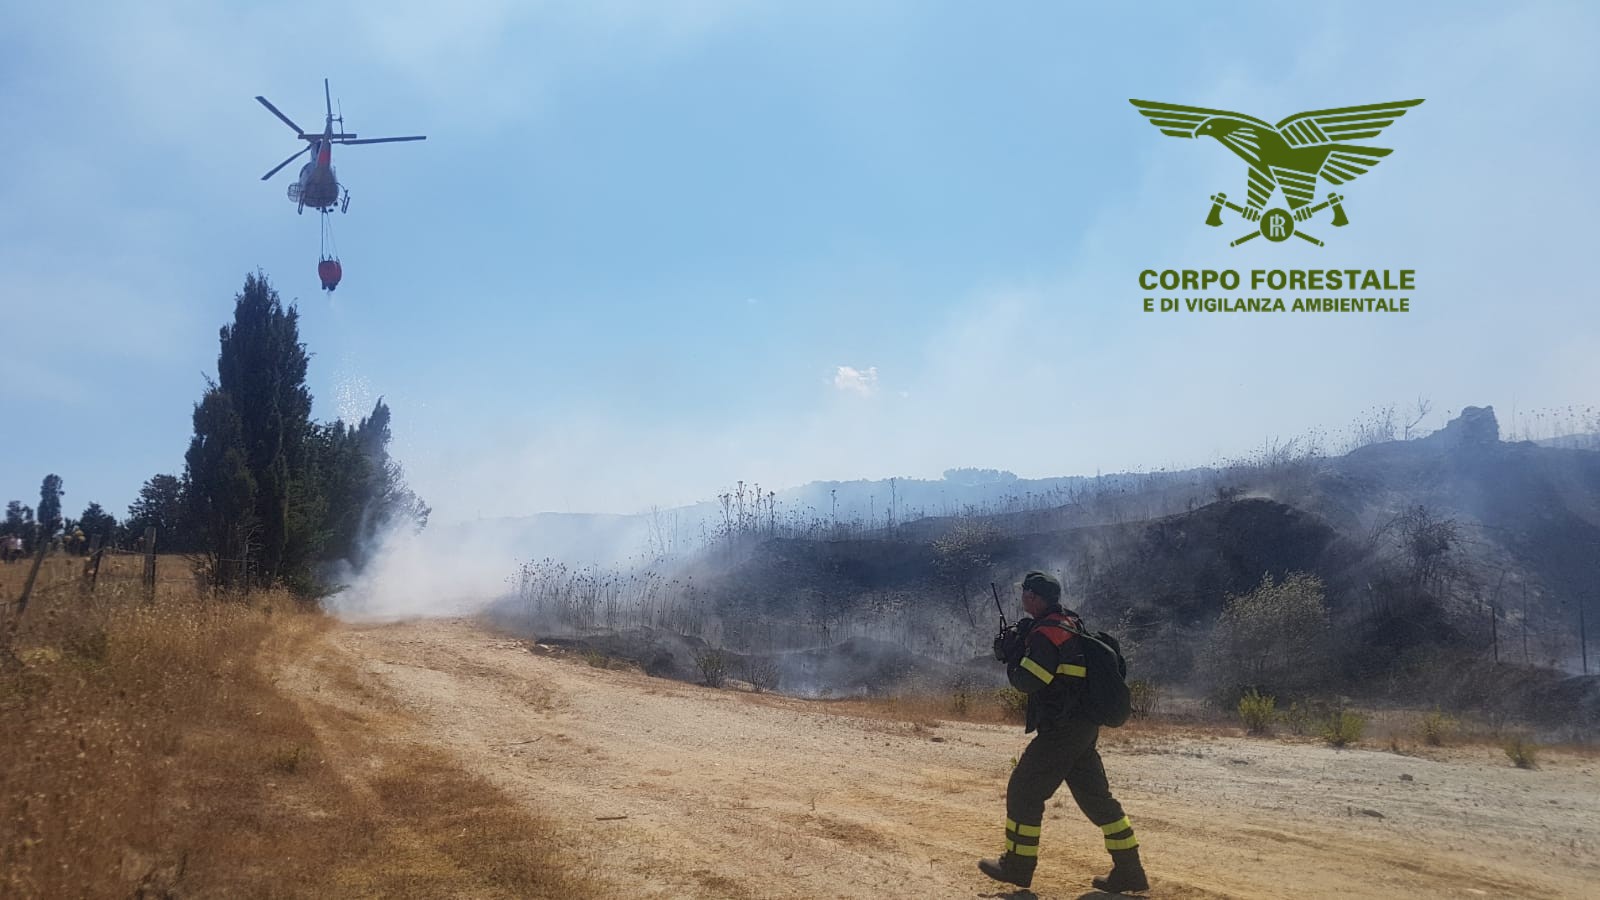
(729, 794)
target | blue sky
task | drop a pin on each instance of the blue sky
(649, 249)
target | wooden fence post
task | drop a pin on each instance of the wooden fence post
(91, 565)
(42, 547)
(150, 563)
(94, 576)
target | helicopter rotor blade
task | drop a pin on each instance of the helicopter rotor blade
(414, 137)
(274, 110)
(291, 159)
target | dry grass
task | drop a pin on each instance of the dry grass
(1399, 731)
(983, 707)
(1523, 753)
(148, 753)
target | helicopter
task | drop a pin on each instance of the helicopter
(318, 187)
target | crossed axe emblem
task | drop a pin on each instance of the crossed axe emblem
(1277, 224)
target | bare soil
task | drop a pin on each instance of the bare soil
(670, 790)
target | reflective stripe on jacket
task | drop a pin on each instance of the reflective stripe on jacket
(1051, 671)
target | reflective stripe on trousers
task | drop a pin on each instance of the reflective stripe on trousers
(1119, 835)
(1023, 840)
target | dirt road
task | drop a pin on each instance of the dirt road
(675, 791)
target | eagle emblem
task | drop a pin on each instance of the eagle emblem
(1290, 156)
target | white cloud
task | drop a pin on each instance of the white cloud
(858, 381)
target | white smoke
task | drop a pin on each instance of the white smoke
(461, 569)
(414, 574)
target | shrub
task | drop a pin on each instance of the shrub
(762, 674)
(1436, 727)
(1299, 717)
(713, 666)
(1257, 711)
(1275, 636)
(1523, 753)
(1013, 702)
(1144, 697)
(961, 691)
(1343, 728)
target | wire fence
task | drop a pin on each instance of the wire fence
(58, 570)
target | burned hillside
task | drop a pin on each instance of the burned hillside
(1427, 558)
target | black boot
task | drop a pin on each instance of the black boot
(1010, 868)
(1127, 874)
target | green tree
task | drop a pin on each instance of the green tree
(50, 493)
(262, 370)
(19, 519)
(97, 522)
(223, 496)
(161, 505)
(262, 477)
(362, 489)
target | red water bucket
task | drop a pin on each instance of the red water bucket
(328, 270)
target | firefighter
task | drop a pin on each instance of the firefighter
(1045, 660)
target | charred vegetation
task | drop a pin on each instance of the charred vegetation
(1448, 571)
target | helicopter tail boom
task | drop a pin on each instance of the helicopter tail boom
(414, 137)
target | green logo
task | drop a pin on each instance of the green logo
(1290, 157)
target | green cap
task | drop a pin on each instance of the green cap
(1044, 585)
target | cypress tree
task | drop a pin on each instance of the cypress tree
(50, 505)
(262, 368)
(260, 475)
(223, 495)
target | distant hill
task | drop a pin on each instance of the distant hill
(814, 509)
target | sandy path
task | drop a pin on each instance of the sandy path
(733, 795)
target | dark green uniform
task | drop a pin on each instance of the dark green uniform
(1051, 672)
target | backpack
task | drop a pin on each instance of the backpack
(1106, 695)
